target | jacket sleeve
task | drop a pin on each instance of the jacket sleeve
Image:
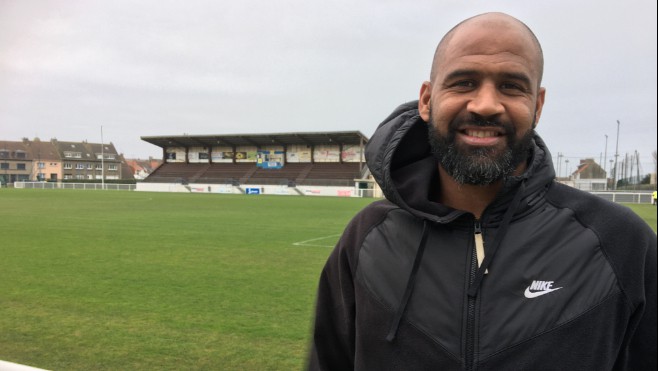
(334, 334)
(334, 338)
(640, 352)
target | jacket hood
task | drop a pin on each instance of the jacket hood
(400, 159)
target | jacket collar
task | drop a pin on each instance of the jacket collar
(400, 159)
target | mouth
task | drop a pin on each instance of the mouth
(478, 136)
(481, 133)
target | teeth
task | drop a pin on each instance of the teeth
(481, 133)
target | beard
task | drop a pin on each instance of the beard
(479, 165)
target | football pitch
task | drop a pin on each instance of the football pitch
(115, 280)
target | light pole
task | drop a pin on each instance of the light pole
(102, 161)
(567, 168)
(614, 180)
(605, 159)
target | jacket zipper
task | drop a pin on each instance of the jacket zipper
(476, 260)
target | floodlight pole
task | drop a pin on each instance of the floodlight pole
(614, 183)
(605, 160)
(102, 161)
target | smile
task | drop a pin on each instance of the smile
(481, 133)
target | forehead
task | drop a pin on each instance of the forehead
(486, 42)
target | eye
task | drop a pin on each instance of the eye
(463, 84)
(509, 85)
(512, 87)
(466, 83)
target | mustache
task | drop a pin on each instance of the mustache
(478, 121)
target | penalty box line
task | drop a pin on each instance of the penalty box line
(310, 242)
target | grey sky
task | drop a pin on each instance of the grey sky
(154, 67)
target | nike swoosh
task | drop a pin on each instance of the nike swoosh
(530, 295)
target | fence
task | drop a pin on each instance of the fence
(627, 197)
(87, 186)
(620, 197)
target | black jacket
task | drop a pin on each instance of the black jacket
(570, 282)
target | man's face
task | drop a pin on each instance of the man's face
(483, 102)
(478, 165)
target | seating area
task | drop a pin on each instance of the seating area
(291, 174)
(331, 172)
(286, 175)
(225, 173)
(175, 173)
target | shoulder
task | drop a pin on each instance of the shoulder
(367, 219)
(594, 211)
(356, 231)
(626, 240)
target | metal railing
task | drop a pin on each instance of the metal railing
(84, 186)
(626, 197)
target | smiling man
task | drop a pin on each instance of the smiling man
(478, 259)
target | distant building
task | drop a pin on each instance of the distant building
(47, 164)
(15, 162)
(54, 161)
(589, 176)
(142, 168)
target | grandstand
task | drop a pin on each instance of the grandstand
(321, 163)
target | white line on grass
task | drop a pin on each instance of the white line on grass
(307, 242)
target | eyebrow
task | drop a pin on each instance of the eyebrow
(517, 76)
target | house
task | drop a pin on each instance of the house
(142, 168)
(15, 162)
(54, 161)
(589, 176)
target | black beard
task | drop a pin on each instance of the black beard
(478, 165)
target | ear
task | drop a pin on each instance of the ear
(541, 95)
(424, 101)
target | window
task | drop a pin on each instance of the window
(69, 154)
(20, 166)
(68, 176)
(99, 167)
(79, 166)
(106, 156)
(80, 176)
(112, 167)
(4, 166)
(41, 165)
(90, 167)
(41, 177)
(68, 165)
(21, 154)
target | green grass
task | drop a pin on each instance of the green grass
(107, 280)
(159, 281)
(646, 212)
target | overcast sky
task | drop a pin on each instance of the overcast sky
(156, 67)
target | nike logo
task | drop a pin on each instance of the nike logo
(539, 288)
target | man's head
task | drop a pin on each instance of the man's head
(484, 98)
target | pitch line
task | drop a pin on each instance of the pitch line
(307, 242)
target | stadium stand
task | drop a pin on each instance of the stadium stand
(295, 160)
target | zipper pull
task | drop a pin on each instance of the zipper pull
(479, 244)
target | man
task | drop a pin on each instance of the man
(478, 260)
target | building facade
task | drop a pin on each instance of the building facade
(55, 161)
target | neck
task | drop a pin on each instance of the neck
(468, 197)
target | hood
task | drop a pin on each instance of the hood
(399, 157)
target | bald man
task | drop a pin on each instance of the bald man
(478, 259)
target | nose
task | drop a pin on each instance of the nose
(486, 101)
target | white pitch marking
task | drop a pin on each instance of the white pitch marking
(306, 243)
